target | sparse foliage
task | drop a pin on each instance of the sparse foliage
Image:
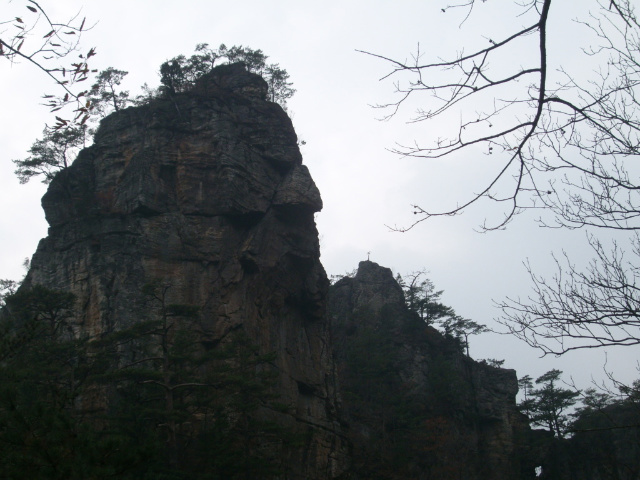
(29, 35)
(54, 152)
(180, 73)
(463, 328)
(422, 297)
(105, 96)
(546, 405)
(58, 147)
(525, 384)
(566, 146)
(577, 309)
(494, 362)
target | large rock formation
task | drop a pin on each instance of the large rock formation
(205, 193)
(416, 405)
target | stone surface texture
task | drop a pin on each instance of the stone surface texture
(205, 192)
(478, 430)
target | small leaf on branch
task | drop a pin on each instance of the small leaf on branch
(82, 24)
(19, 20)
(49, 34)
(70, 33)
(20, 46)
(32, 9)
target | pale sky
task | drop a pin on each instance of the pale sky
(364, 187)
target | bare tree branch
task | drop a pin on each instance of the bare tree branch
(567, 148)
(42, 42)
(581, 309)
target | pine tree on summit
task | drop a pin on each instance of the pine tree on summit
(180, 73)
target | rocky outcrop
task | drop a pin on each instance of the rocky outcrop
(205, 192)
(416, 406)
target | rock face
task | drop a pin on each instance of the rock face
(416, 406)
(205, 192)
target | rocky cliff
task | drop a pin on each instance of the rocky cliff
(416, 406)
(205, 194)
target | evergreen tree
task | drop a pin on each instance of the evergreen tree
(180, 73)
(526, 406)
(144, 402)
(550, 402)
(422, 297)
(48, 375)
(461, 329)
(58, 147)
(52, 153)
(105, 96)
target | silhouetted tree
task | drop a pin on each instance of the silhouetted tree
(58, 147)
(44, 42)
(525, 384)
(422, 297)
(461, 329)
(550, 402)
(105, 96)
(605, 441)
(180, 73)
(55, 151)
(566, 146)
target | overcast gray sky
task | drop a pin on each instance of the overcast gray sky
(364, 187)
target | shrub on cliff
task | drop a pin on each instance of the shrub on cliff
(180, 73)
